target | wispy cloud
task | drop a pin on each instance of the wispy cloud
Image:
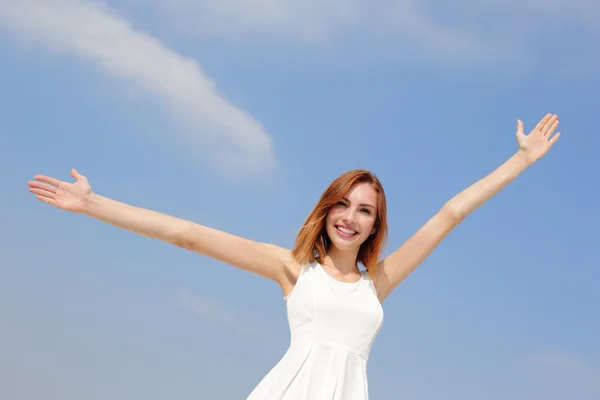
(212, 311)
(465, 31)
(224, 134)
(271, 20)
(316, 22)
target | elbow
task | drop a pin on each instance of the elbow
(181, 235)
(452, 214)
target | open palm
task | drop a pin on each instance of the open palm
(64, 195)
(540, 139)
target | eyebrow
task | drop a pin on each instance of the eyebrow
(361, 205)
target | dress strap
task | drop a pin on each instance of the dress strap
(305, 269)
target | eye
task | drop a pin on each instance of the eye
(341, 204)
(366, 211)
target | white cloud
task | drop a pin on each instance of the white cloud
(464, 31)
(226, 135)
(273, 20)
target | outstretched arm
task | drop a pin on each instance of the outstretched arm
(398, 265)
(264, 259)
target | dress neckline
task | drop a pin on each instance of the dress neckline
(337, 281)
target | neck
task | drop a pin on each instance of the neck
(343, 261)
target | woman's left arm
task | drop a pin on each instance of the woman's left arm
(398, 265)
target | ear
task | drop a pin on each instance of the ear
(373, 231)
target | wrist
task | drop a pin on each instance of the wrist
(523, 158)
(89, 202)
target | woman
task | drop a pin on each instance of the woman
(334, 307)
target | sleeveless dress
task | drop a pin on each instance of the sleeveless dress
(333, 325)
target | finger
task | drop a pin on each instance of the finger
(76, 174)
(554, 139)
(543, 121)
(519, 127)
(42, 192)
(47, 179)
(551, 128)
(47, 200)
(40, 185)
(549, 124)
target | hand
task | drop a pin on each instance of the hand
(66, 196)
(539, 140)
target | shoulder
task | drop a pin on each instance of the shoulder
(290, 266)
(281, 253)
(378, 281)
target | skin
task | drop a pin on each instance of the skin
(276, 263)
(357, 211)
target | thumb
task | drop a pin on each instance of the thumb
(519, 127)
(76, 175)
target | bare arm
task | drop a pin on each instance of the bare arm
(260, 258)
(398, 265)
(263, 259)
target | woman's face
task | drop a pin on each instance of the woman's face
(351, 221)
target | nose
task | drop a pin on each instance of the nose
(349, 216)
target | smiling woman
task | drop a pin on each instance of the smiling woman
(351, 211)
(334, 307)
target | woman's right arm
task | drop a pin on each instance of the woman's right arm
(260, 258)
(267, 260)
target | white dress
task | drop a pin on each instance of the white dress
(333, 325)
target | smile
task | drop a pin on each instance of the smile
(345, 232)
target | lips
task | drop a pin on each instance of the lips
(345, 231)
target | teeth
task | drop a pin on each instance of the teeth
(346, 231)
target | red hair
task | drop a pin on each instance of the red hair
(312, 241)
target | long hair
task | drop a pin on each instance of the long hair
(312, 241)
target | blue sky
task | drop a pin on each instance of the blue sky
(237, 116)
